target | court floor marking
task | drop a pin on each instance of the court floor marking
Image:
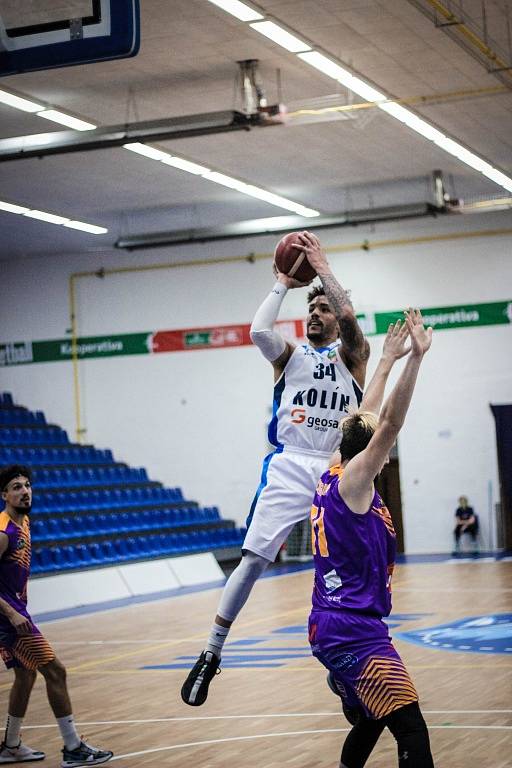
(148, 721)
(277, 617)
(288, 733)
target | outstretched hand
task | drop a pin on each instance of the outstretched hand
(394, 343)
(289, 282)
(421, 338)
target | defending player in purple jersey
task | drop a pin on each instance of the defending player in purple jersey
(22, 646)
(354, 549)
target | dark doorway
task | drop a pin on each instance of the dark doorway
(388, 485)
(503, 417)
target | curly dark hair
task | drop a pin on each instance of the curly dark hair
(13, 470)
(316, 290)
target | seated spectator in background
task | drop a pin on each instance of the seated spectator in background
(465, 522)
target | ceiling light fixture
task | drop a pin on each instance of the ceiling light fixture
(18, 103)
(70, 121)
(280, 36)
(84, 227)
(51, 218)
(240, 10)
(220, 178)
(10, 208)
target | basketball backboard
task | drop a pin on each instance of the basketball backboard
(43, 34)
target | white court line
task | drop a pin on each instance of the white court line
(289, 733)
(259, 716)
(477, 590)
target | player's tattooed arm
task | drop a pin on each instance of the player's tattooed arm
(355, 349)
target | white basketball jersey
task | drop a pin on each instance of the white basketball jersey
(311, 397)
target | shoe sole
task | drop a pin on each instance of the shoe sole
(23, 760)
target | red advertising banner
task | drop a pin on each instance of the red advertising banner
(188, 339)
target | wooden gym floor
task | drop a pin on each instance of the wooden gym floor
(270, 706)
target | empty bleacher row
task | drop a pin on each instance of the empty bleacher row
(56, 457)
(28, 435)
(142, 496)
(89, 510)
(20, 416)
(50, 560)
(94, 525)
(80, 476)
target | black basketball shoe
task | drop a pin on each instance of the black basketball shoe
(195, 688)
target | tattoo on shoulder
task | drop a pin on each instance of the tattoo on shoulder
(350, 332)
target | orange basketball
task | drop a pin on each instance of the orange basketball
(292, 261)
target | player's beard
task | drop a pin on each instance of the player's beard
(317, 334)
(23, 510)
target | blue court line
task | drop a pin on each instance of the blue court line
(253, 657)
(258, 665)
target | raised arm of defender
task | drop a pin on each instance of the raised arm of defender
(355, 349)
(392, 350)
(356, 483)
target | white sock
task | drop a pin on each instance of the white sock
(13, 731)
(217, 639)
(68, 731)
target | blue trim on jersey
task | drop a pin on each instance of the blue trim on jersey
(263, 482)
(272, 427)
(358, 392)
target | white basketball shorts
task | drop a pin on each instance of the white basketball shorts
(285, 495)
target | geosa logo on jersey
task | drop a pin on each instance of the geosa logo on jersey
(314, 398)
(298, 416)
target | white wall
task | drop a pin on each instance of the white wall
(197, 419)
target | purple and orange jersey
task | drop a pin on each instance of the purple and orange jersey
(15, 562)
(354, 558)
(354, 554)
(30, 650)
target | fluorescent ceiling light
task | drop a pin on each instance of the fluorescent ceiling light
(498, 177)
(238, 9)
(18, 103)
(281, 36)
(68, 120)
(91, 228)
(281, 202)
(323, 64)
(185, 165)
(10, 208)
(220, 178)
(145, 150)
(51, 218)
(260, 194)
(225, 181)
(412, 120)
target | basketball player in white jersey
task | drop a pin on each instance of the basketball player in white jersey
(315, 385)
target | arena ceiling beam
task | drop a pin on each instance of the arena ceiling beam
(61, 142)
(277, 224)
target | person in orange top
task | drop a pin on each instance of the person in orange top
(22, 646)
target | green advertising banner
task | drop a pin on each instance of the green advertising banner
(444, 318)
(219, 337)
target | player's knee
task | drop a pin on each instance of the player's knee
(406, 721)
(54, 672)
(254, 565)
(25, 677)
